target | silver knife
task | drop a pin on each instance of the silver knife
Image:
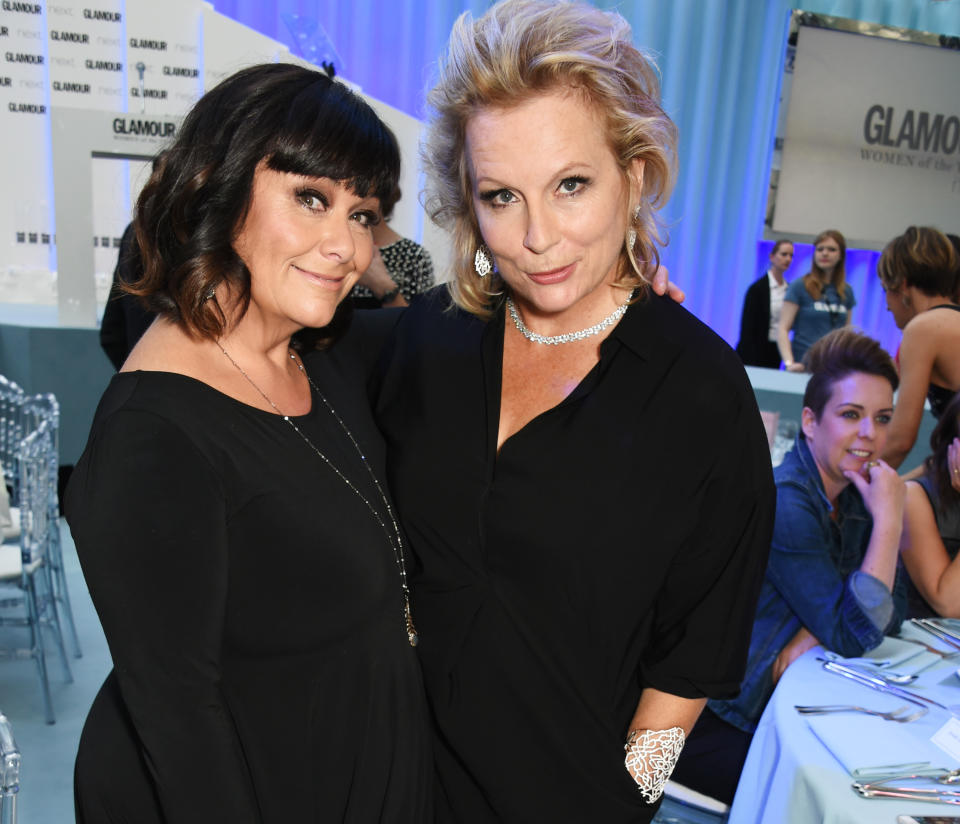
(936, 632)
(939, 625)
(878, 684)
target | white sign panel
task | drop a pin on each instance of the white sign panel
(26, 209)
(163, 54)
(873, 138)
(86, 53)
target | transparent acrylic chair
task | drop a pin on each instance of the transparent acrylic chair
(11, 430)
(24, 568)
(9, 773)
(35, 410)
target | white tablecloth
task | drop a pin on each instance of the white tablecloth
(790, 777)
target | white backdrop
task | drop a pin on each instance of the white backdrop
(873, 138)
(68, 71)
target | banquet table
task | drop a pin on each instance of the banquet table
(792, 777)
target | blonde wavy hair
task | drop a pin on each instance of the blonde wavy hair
(522, 48)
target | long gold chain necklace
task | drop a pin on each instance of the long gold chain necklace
(395, 541)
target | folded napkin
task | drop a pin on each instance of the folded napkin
(870, 747)
(891, 653)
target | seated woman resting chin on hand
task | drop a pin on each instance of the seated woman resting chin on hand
(832, 574)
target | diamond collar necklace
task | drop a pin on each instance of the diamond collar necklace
(394, 539)
(567, 337)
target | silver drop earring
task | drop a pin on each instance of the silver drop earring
(631, 232)
(481, 262)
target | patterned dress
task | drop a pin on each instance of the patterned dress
(409, 265)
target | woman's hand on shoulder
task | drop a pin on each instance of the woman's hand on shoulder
(662, 285)
(882, 489)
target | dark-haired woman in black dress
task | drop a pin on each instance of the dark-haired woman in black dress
(229, 511)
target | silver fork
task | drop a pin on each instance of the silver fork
(893, 715)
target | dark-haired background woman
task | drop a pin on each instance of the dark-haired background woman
(762, 304)
(919, 273)
(401, 268)
(229, 512)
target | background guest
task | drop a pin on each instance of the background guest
(919, 274)
(400, 269)
(931, 526)
(818, 302)
(832, 573)
(760, 320)
(125, 317)
(955, 240)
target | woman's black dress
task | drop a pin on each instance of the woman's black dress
(253, 609)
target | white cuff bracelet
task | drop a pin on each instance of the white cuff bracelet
(651, 757)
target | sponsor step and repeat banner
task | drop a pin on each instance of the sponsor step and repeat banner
(90, 90)
(872, 140)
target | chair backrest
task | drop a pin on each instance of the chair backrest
(9, 761)
(35, 410)
(37, 484)
(11, 428)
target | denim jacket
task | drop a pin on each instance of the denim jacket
(812, 581)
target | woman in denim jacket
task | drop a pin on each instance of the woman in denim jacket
(832, 577)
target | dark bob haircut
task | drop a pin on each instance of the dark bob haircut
(291, 118)
(922, 257)
(838, 354)
(390, 199)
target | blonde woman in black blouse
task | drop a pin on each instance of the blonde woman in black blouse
(580, 465)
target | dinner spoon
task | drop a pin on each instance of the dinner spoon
(900, 679)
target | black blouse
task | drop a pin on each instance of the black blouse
(616, 542)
